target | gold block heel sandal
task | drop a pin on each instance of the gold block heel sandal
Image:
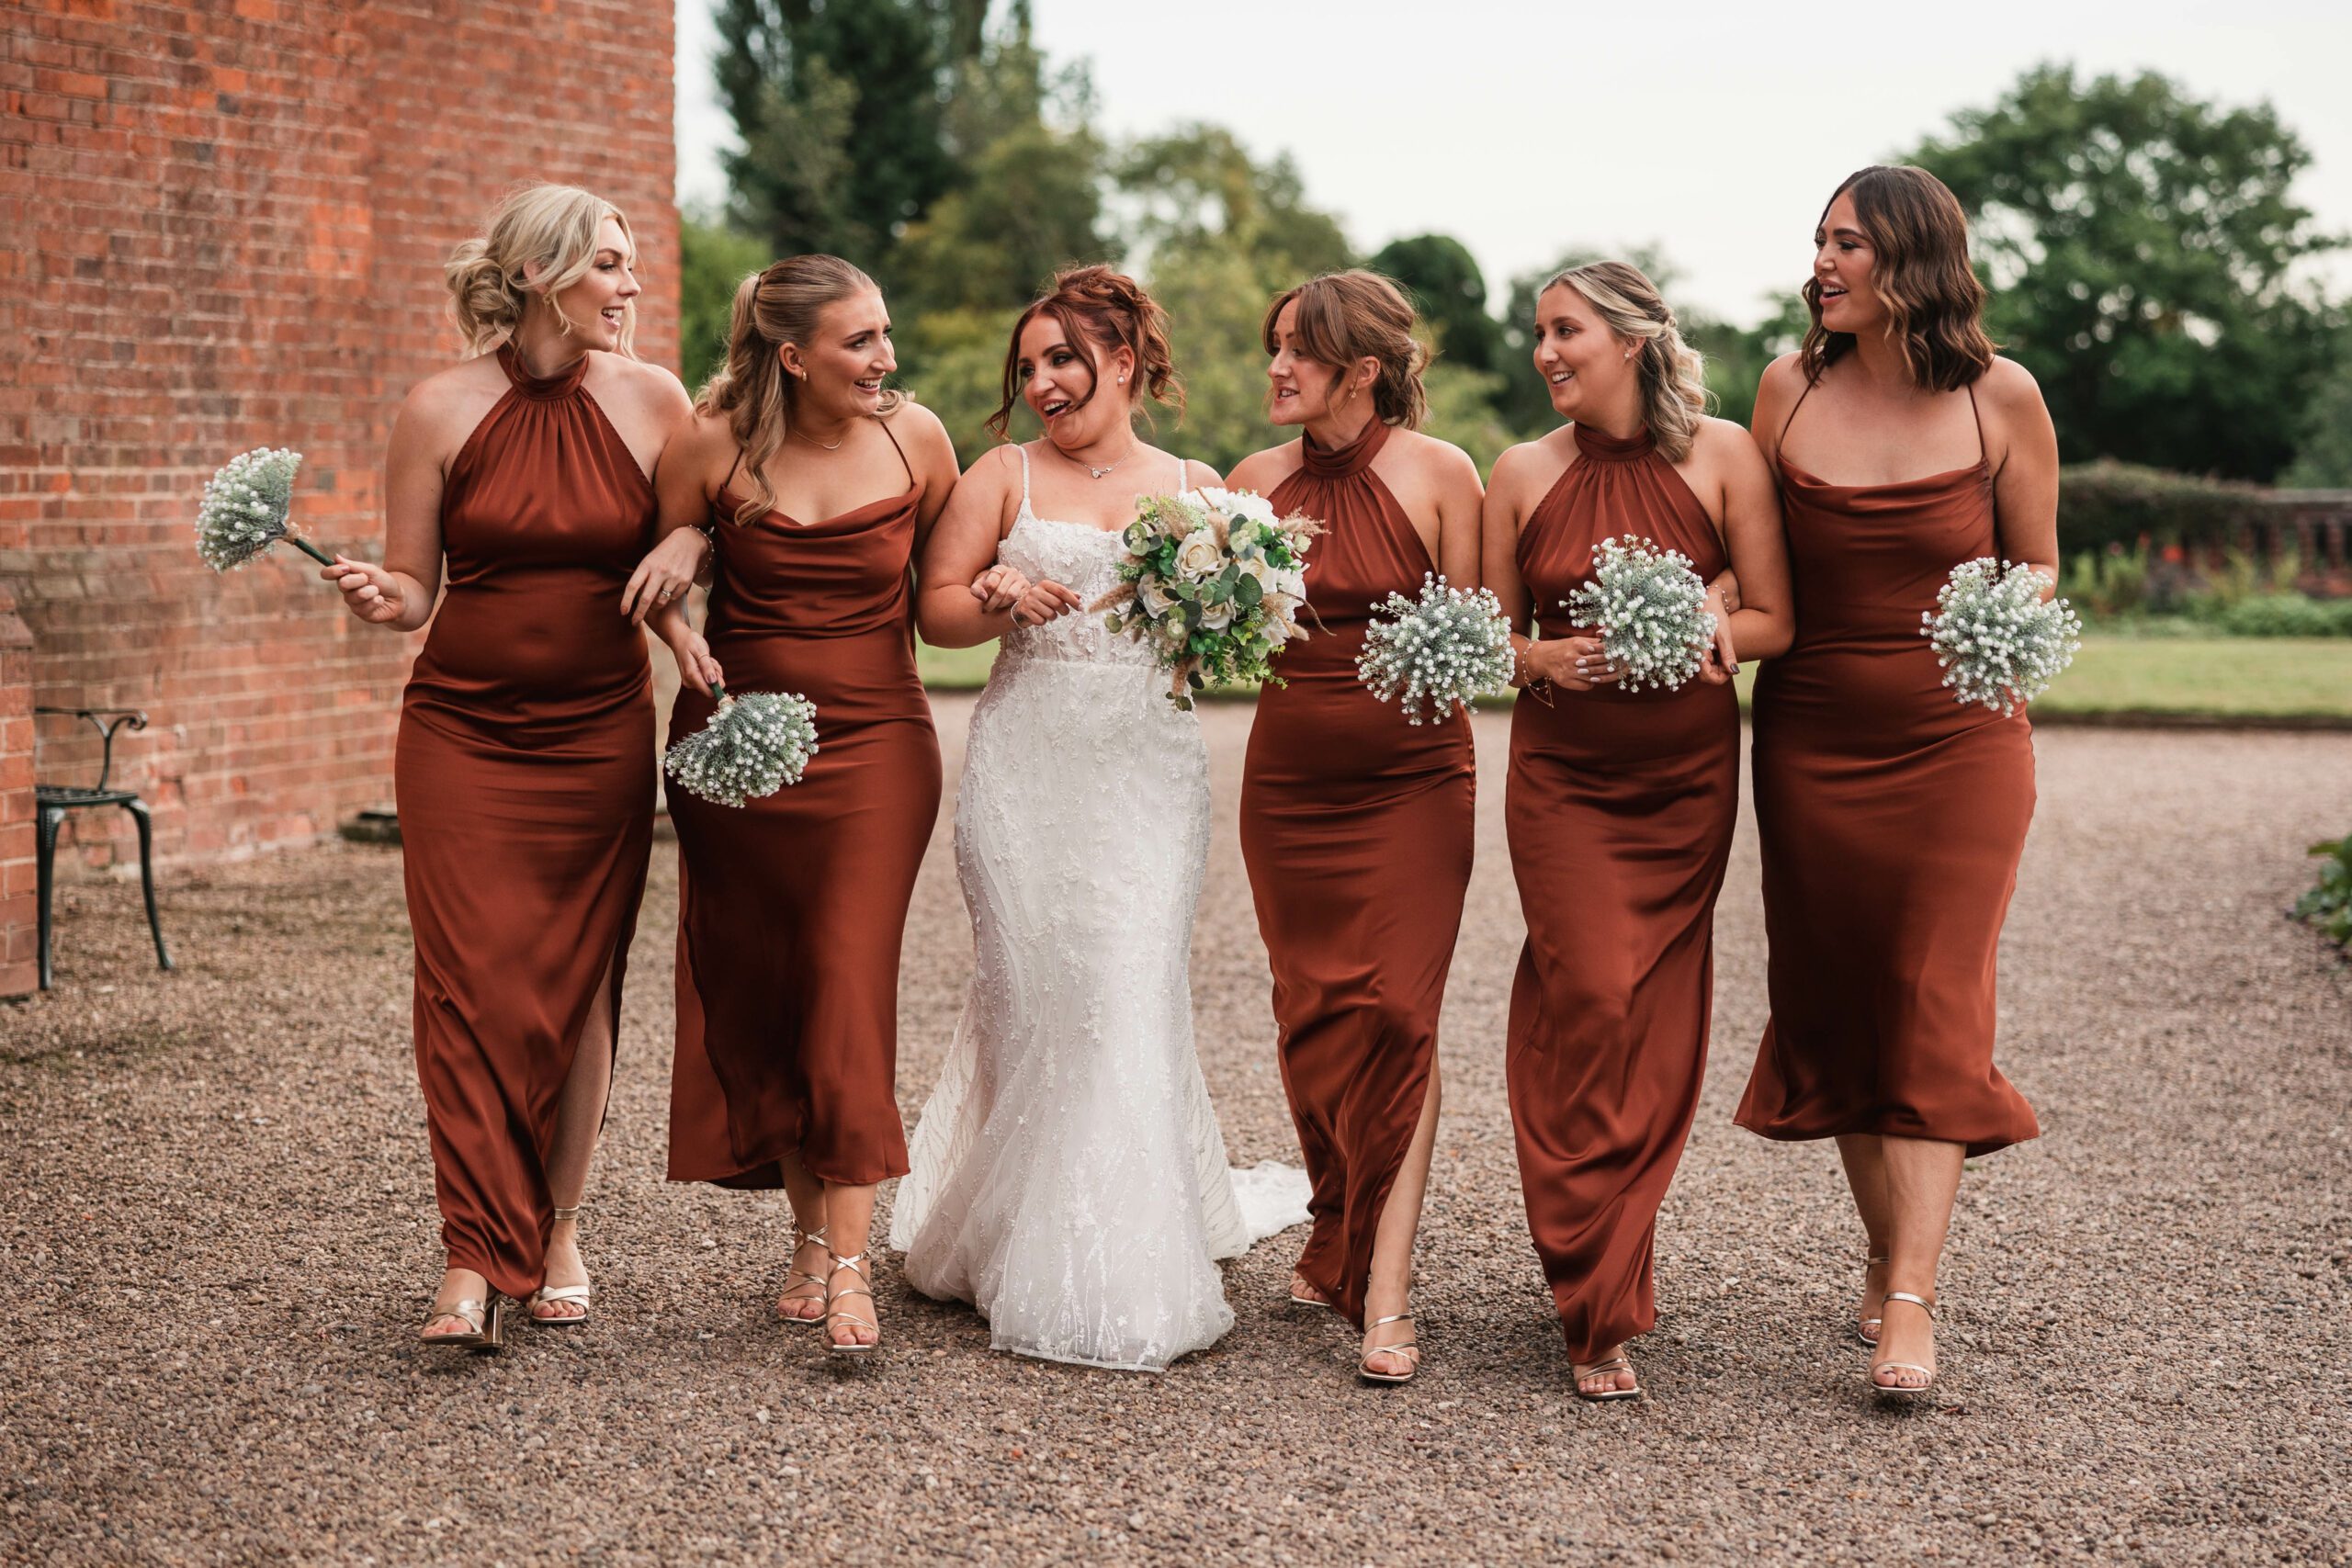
(486, 1335)
(578, 1293)
(1410, 1350)
(1897, 1394)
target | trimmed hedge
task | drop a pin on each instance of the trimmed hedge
(2107, 502)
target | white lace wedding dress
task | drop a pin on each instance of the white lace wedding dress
(1069, 1178)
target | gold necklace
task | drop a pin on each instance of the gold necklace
(834, 446)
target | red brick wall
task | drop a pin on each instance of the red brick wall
(221, 226)
(18, 921)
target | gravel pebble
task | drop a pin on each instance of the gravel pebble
(216, 1233)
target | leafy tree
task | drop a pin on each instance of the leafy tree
(839, 104)
(2145, 253)
(1449, 291)
(2323, 461)
(712, 259)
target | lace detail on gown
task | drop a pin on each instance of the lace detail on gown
(1069, 1174)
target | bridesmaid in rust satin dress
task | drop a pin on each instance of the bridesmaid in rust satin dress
(1356, 825)
(525, 765)
(1892, 818)
(817, 489)
(1621, 804)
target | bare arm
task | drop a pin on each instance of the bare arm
(961, 550)
(1461, 506)
(1573, 662)
(2025, 487)
(400, 592)
(1764, 624)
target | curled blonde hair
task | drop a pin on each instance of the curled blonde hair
(779, 304)
(1357, 315)
(553, 226)
(1674, 374)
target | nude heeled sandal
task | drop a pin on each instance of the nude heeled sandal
(558, 1293)
(487, 1335)
(801, 1238)
(856, 1265)
(1410, 1350)
(1609, 1367)
(1866, 1328)
(1898, 1394)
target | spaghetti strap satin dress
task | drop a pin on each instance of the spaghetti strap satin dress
(1891, 819)
(524, 778)
(1357, 829)
(1619, 812)
(792, 907)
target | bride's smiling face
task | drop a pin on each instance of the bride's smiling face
(1059, 379)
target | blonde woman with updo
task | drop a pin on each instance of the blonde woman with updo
(1620, 805)
(1356, 825)
(815, 487)
(1069, 1177)
(521, 477)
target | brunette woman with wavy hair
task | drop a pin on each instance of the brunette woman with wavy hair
(519, 477)
(1620, 805)
(1357, 827)
(816, 486)
(1891, 816)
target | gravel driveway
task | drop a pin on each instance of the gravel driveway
(217, 1235)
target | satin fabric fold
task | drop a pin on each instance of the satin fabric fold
(1620, 809)
(1357, 831)
(524, 775)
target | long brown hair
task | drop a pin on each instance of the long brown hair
(1935, 303)
(1357, 315)
(1111, 312)
(776, 305)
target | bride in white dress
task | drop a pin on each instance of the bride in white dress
(1069, 1178)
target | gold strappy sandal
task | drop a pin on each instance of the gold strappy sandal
(1902, 1393)
(1609, 1367)
(1297, 1278)
(801, 1238)
(1410, 1350)
(558, 1293)
(855, 1265)
(487, 1317)
(1866, 1328)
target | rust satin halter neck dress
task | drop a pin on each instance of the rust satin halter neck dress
(525, 782)
(1891, 819)
(1357, 829)
(792, 907)
(1620, 811)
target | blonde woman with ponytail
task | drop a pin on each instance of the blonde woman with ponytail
(814, 486)
(1620, 805)
(522, 477)
(1356, 827)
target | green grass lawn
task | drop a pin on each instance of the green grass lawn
(2253, 678)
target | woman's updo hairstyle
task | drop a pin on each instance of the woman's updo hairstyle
(1935, 303)
(1673, 374)
(554, 226)
(1111, 312)
(1346, 316)
(781, 303)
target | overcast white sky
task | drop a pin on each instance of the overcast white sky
(1524, 127)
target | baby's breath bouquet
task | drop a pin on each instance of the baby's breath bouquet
(754, 746)
(1449, 646)
(1650, 609)
(2000, 642)
(245, 509)
(1213, 580)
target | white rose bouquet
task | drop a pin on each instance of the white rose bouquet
(1213, 580)
(1447, 646)
(754, 746)
(2000, 642)
(246, 510)
(1649, 607)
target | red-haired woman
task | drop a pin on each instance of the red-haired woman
(1892, 817)
(1069, 1178)
(1356, 825)
(1621, 804)
(818, 487)
(524, 771)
